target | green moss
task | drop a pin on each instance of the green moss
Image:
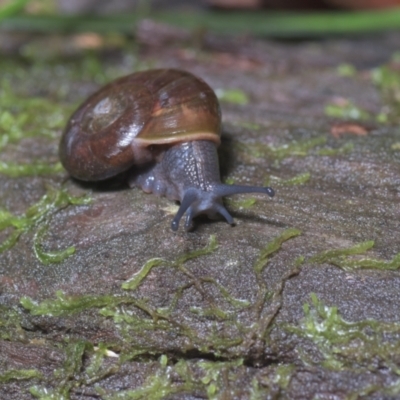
(300, 179)
(94, 368)
(341, 259)
(127, 312)
(249, 125)
(299, 148)
(93, 69)
(135, 281)
(69, 375)
(210, 248)
(234, 96)
(328, 255)
(48, 394)
(10, 8)
(366, 263)
(19, 374)
(10, 241)
(136, 319)
(10, 324)
(11, 127)
(367, 344)
(395, 146)
(162, 319)
(229, 181)
(267, 299)
(387, 79)
(241, 204)
(73, 363)
(346, 110)
(237, 303)
(346, 148)
(213, 312)
(213, 379)
(273, 247)
(346, 70)
(71, 367)
(38, 168)
(283, 374)
(49, 257)
(37, 218)
(42, 393)
(161, 384)
(24, 116)
(66, 305)
(215, 373)
(278, 377)
(74, 373)
(256, 391)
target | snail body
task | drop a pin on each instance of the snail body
(164, 127)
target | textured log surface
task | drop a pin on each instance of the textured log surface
(299, 300)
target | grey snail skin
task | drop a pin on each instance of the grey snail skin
(162, 125)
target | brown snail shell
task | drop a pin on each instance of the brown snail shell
(164, 126)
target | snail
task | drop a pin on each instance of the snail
(163, 126)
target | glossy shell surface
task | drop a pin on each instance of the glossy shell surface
(116, 127)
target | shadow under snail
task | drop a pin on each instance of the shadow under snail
(164, 122)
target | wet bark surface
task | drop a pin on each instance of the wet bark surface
(100, 299)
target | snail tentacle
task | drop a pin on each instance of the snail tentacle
(229, 190)
(188, 200)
